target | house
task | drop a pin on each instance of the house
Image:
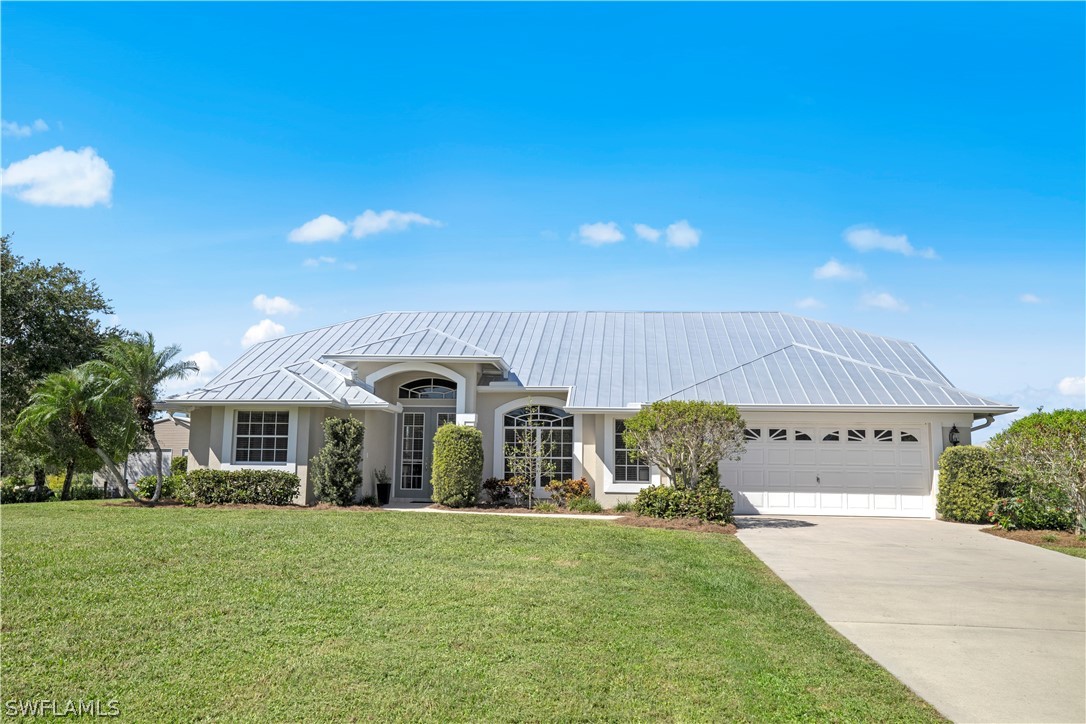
(172, 433)
(839, 422)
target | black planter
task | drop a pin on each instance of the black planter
(384, 493)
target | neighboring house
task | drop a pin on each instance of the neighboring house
(172, 432)
(840, 422)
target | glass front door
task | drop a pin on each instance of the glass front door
(416, 448)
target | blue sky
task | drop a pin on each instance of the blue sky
(772, 139)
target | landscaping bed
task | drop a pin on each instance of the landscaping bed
(249, 613)
(694, 524)
(520, 509)
(1056, 540)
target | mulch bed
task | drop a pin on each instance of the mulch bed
(677, 524)
(1062, 538)
(511, 509)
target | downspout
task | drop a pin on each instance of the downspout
(988, 420)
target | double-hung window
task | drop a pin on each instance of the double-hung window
(628, 469)
(261, 436)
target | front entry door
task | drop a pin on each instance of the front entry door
(417, 428)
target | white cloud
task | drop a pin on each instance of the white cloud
(262, 330)
(371, 222)
(1029, 298)
(322, 228)
(883, 301)
(274, 305)
(1072, 386)
(209, 367)
(318, 260)
(59, 177)
(682, 235)
(600, 233)
(207, 364)
(809, 303)
(646, 232)
(868, 238)
(834, 269)
(13, 129)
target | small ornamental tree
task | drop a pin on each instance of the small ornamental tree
(458, 465)
(529, 459)
(336, 468)
(684, 438)
(1045, 455)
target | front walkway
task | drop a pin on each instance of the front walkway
(985, 629)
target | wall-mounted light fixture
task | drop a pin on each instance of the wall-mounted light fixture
(954, 437)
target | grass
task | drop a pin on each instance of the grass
(255, 614)
(1061, 541)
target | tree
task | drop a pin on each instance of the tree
(56, 445)
(91, 408)
(48, 324)
(138, 370)
(458, 465)
(684, 438)
(529, 457)
(335, 469)
(1045, 451)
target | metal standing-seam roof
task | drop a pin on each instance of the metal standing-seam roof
(608, 360)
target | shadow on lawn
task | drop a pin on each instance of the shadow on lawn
(761, 521)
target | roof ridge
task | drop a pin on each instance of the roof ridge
(729, 370)
(446, 335)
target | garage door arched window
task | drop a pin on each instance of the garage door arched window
(547, 432)
(428, 388)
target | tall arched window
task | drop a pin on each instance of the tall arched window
(428, 388)
(546, 430)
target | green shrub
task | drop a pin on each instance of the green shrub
(1031, 514)
(969, 484)
(458, 465)
(496, 489)
(268, 487)
(369, 501)
(585, 505)
(179, 464)
(145, 487)
(8, 493)
(708, 502)
(564, 492)
(545, 506)
(335, 469)
(624, 506)
(81, 491)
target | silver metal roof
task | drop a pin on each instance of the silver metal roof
(608, 360)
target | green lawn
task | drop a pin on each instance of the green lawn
(1076, 552)
(305, 615)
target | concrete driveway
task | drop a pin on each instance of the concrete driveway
(985, 629)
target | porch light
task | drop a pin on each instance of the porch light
(955, 436)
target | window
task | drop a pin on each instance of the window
(551, 429)
(752, 433)
(834, 436)
(802, 436)
(857, 435)
(908, 437)
(261, 436)
(778, 434)
(428, 388)
(884, 435)
(413, 451)
(627, 467)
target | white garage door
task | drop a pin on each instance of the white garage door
(860, 470)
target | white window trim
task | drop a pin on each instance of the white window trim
(609, 484)
(431, 368)
(228, 426)
(499, 433)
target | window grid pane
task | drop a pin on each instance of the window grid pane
(553, 433)
(627, 468)
(261, 436)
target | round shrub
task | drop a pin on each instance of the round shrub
(145, 486)
(708, 502)
(969, 484)
(335, 469)
(458, 465)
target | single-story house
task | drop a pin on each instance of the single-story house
(839, 422)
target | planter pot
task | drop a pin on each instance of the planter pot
(384, 493)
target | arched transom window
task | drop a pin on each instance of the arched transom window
(428, 388)
(546, 432)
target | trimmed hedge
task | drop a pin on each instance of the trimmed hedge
(267, 487)
(335, 469)
(458, 465)
(970, 483)
(179, 464)
(708, 502)
(145, 486)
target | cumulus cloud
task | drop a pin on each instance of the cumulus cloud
(59, 177)
(647, 233)
(809, 303)
(274, 305)
(883, 301)
(834, 269)
(1028, 298)
(319, 260)
(15, 130)
(868, 238)
(209, 367)
(600, 233)
(371, 222)
(682, 235)
(263, 330)
(1072, 386)
(322, 228)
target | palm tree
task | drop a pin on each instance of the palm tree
(139, 370)
(83, 401)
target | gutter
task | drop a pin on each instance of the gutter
(988, 420)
